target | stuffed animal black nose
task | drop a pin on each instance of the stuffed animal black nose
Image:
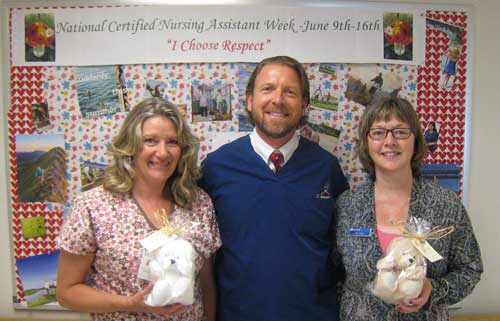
(172, 261)
(412, 260)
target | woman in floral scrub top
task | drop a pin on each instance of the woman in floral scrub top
(154, 166)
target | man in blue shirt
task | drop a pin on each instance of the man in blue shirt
(275, 219)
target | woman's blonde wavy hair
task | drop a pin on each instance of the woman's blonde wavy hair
(119, 175)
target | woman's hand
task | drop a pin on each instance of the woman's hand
(136, 304)
(74, 293)
(416, 304)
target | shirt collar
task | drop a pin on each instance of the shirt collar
(264, 150)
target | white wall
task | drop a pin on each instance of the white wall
(483, 187)
(484, 190)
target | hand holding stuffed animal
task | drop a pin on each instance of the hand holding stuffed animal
(172, 270)
(401, 272)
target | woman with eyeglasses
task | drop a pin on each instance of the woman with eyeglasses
(391, 148)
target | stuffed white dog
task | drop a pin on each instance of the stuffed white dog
(401, 272)
(172, 270)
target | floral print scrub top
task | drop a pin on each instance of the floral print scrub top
(110, 225)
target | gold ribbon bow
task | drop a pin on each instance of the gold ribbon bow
(168, 228)
(434, 234)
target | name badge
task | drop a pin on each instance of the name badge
(363, 232)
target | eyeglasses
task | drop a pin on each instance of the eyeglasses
(381, 133)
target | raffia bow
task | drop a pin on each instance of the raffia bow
(167, 227)
(434, 234)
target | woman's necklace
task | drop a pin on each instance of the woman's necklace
(391, 211)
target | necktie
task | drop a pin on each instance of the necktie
(277, 159)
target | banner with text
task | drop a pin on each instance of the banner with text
(153, 34)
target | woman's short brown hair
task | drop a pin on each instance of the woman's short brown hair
(383, 110)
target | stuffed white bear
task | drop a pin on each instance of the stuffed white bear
(401, 272)
(172, 269)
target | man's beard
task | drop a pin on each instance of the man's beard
(273, 131)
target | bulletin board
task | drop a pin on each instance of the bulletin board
(75, 72)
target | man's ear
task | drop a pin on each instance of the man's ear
(304, 106)
(249, 102)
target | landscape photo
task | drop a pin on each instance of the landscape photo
(41, 168)
(38, 276)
